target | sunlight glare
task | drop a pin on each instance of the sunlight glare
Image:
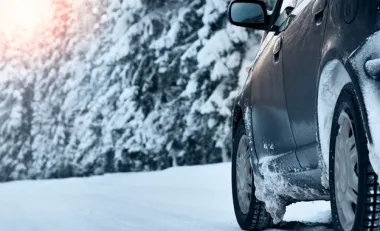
(22, 18)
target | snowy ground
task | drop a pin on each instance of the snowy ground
(188, 198)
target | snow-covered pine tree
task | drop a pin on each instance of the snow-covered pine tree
(122, 86)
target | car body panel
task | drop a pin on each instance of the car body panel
(268, 105)
(343, 40)
(303, 40)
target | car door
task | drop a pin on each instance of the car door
(302, 45)
(270, 120)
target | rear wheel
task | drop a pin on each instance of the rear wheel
(250, 213)
(355, 193)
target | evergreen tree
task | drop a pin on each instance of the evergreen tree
(122, 86)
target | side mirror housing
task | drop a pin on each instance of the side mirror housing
(249, 13)
(253, 14)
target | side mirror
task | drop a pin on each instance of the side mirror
(249, 13)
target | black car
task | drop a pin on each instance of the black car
(306, 125)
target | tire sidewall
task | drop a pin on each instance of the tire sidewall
(244, 220)
(348, 102)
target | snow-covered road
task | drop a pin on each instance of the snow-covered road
(187, 198)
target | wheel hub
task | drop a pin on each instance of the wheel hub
(244, 174)
(346, 175)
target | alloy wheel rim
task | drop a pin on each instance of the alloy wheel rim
(346, 172)
(244, 175)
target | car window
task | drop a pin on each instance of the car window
(270, 4)
(293, 3)
(299, 2)
(287, 3)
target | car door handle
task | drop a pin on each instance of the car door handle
(318, 9)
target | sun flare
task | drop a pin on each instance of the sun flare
(21, 18)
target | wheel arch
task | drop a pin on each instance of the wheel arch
(237, 115)
(331, 82)
(335, 75)
(244, 113)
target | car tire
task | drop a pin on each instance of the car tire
(354, 191)
(250, 213)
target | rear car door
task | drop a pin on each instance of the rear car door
(302, 46)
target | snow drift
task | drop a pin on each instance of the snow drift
(185, 198)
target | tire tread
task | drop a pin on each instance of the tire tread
(261, 218)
